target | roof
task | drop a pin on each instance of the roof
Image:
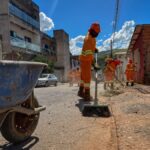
(145, 28)
(121, 53)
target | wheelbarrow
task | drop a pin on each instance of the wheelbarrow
(19, 108)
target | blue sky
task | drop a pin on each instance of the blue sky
(75, 17)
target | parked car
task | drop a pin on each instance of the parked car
(47, 80)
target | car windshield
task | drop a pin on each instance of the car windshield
(43, 75)
(53, 76)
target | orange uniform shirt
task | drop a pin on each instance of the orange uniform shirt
(130, 71)
(88, 48)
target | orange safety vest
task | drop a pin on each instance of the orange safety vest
(88, 49)
(109, 71)
(111, 65)
(130, 67)
(130, 71)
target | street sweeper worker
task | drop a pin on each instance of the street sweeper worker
(109, 71)
(70, 77)
(130, 72)
(77, 76)
(86, 60)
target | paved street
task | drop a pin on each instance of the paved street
(62, 127)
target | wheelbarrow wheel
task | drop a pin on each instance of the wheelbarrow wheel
(18, 127)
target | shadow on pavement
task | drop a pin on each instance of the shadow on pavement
(26, 145)
(81, 103)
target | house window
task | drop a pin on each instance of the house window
(27, 39)
(13, 34)
(46, 46)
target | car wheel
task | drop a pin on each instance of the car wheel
(55, 83)
(46, 84)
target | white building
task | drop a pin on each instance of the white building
(122, 56)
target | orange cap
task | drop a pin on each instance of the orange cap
(95, 27)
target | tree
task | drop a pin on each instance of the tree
(43, 59)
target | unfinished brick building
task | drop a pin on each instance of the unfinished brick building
(139, 51)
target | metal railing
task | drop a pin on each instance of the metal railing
(23, 16)
(24, 44)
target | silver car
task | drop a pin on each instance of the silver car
(47, 80)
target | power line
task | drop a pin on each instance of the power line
(116, 16)
(115, 21)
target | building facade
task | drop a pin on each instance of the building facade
(19, 29)
(120, 72)
(48, 47)
(75, 63)
(139, 51)
(62, 65)
(21, 38)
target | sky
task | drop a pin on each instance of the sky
(76, 16)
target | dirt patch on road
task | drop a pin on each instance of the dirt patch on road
(132, 115)
(101, 136)
(139, 109)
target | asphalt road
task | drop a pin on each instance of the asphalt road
(62, 126)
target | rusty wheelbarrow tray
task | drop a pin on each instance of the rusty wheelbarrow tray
(19, 109)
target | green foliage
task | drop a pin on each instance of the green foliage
(101, 61)
(104, 54)
(44, 59)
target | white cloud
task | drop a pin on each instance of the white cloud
(99, 41)
(76, 44)
(74, 48)
(46, 23)
(121, 38)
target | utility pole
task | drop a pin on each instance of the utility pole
(114, 26)
(111, 52)
(1, 47)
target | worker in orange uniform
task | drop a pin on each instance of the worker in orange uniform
(86, 60)
(130, 72)
(70, 77)
(109, 71)
(77, 76)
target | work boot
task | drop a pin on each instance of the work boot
(105, 86)
(87, 96)
(81, 92)
(132, 83)
(112, 86)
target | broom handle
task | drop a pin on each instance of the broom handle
(96, 75)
